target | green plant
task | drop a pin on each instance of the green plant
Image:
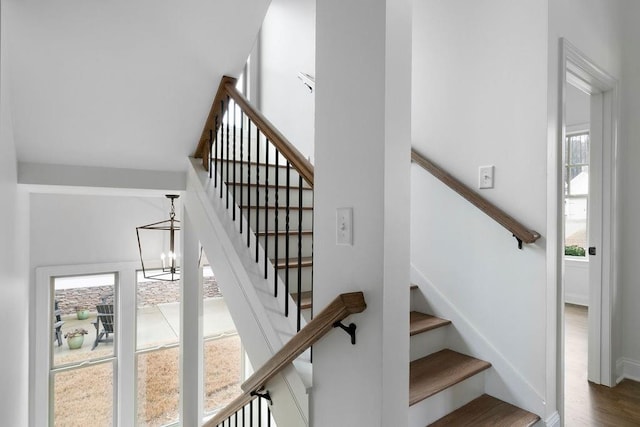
(75, 333)
(574, 250)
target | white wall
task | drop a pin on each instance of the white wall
(576, 281)
(362, 161)
(14, 295)
(479, 85)
(630, 199)
(577, 107)
(287, 47)
(84, 229)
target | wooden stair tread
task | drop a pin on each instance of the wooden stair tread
(487, 411)
(306, 299)
(271, 165)
(438, 371)
(293, 262)
(292, 233)
(293, 208)
(262, 185)
(420, 322)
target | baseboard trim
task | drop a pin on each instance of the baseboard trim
(553, 420)
(627, 369)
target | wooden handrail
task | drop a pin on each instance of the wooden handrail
(288, 150)
(519, 231)
(343, 306)
(218, 109)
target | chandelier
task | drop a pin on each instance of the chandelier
(159, 240)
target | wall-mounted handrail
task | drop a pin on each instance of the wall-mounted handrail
(289, 151)
(343, 306)
(519, 231)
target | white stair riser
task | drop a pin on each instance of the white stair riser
(265, 171)
(307, 243)
(249, 196)
(447, 401)
(307, 219)
(429, 342)
(306, 273)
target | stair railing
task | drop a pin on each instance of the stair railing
(241, 409)
(237, 139)
(519, 231)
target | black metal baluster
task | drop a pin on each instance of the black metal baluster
(248, 180)
(286, 241)
(275, 232)
(268, 417)
(241, 166)
(266, 207)
(221, 144)
(251, 412)
(299, 250)
(259, 412)
(235, 416)
(235, 202)
(210, 159)
(257, 190)
(243, 415)
(228, 156)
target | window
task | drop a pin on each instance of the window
(576, 192)
(83, 362)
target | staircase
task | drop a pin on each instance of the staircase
(446, 387)
(267, 188)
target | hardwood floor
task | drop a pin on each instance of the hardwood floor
(588, 404)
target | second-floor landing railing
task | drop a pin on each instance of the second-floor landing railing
(519, 231)
(268, 185)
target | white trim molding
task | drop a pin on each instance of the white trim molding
(627, 369)
(553, 420)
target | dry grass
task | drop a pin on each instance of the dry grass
(85, 396)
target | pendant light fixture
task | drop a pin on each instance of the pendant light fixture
(160, 239)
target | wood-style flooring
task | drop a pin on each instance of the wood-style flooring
(587, 404)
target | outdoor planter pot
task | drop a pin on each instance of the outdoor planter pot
(75, 338)
(82, 313)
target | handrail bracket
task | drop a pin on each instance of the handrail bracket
(264, 394)
(351, 330)
(519, 241)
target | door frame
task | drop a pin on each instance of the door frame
(585, 74)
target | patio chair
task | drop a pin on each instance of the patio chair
(106, 319)
(57, 324)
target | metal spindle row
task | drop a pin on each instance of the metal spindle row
(227, 169)
(250, 417)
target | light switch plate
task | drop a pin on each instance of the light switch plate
(485, 177)
(344, 226)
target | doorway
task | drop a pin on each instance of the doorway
(597, 175)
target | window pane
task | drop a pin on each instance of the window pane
(158, 387)
(222, 347)
(575, 224)
(158, 317)
(83, 312)
(578, 180)
(84, 396)
(222, 361)
(579, 149)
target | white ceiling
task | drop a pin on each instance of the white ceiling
(123, 84)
